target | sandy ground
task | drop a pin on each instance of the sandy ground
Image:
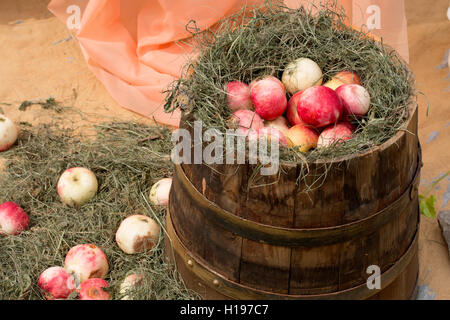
(40, 59)
(428, 30)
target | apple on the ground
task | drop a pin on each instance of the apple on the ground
(159, 193)
(86, 261)
(131, 282)
(137, 233)
(56, 283)
(8, 133)
(92, 289)
(77, 186)
(13, 219)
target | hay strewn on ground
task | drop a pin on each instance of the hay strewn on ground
(127, 159)
(246, 47)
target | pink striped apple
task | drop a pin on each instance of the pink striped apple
(13, 219)
(292, 112)
(92, 289)
(86, 261)
(334, 134)
(245, 120)
(269, 97)
(355, 99)
(238, 96)
(319, 106)
(56, 283)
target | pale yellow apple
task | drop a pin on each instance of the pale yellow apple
(76, 186)
(137, 233)
(8, 133)
(130, 283)
(301, 74)
(159, 193)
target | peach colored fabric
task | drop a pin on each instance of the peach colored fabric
(132, 46)
(383, 18)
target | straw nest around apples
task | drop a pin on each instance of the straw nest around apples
(262, 41)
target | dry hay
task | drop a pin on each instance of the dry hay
(127, 159)
(264, 40)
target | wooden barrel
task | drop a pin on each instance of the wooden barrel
(234, 234)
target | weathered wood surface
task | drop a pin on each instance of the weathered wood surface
(356, 187)
(399, 281)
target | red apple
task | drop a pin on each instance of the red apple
(238, 96)
(266, 77)
(349, 125)
(341, 78)
(245, 120)
(8, 133)
(56, 283)
(279, 123)
(355, 99)
(269, 97)
(13, 219)
(303, 137)
(92, 289)
(270, 133)
(292, 113)
(130, 283)
(334, 134)
(86, 261)
(319, 106)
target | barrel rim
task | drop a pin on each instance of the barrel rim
(411, 108)
(277, 235)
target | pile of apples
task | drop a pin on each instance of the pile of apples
(315, 116)
(85, 265)
(85, 268)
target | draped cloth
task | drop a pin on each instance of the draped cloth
(134, 47)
